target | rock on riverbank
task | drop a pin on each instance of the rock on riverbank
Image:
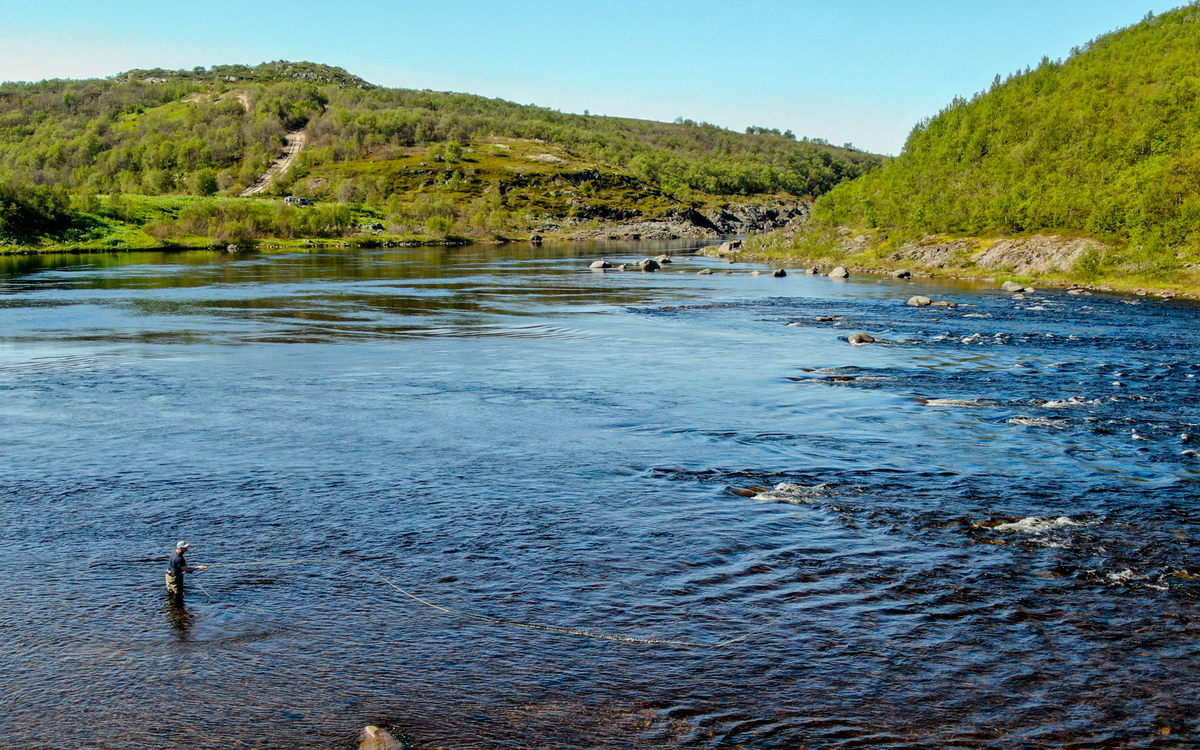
(690, 223)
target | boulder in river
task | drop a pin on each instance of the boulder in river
(375, 738)
(779, 273)
(649, 264)
(814, 271)
(944, 303)
(705, 272)
(1012, 286)
(601, 264)
(919, 301)
(839, 273)
(663, 259)
(729, 247)
(902, 274)
(535, 239)
(858, 339)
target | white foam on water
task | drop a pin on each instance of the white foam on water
(1071, 402)
(966, 402)
(796, 494)
(1037, 524)
(1055, 424)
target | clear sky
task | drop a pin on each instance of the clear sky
(859, 71)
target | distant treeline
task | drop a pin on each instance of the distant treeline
(1106, 143)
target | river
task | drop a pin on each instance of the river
(979, 532)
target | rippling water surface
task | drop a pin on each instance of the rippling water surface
(980, 532)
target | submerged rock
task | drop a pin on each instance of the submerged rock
(919, 301)
(705, 272)
(858, 339)
(944, 303)
(756, 273)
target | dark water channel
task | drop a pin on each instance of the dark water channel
(981, 532)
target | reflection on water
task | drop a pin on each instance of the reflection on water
(978, 533)
(178, 616)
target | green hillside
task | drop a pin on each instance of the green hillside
(1105, 144)
(395, 152)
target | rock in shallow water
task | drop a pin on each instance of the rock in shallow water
(780, 273)
(858, 339)
(704, 272)
(839, 273)
(1012, 286)
(601, 264)
(374, 738)
(650, 264)
(919, 301)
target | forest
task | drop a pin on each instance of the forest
(1104, 144)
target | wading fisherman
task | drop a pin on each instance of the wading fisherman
(175, 570)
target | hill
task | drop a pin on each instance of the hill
(1104, 146)
(485, 166)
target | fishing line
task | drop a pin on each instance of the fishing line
(500, 621)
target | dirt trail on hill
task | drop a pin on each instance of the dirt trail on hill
(293, 144)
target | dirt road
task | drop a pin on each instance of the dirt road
(293, 144)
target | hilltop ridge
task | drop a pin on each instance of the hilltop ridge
(419, 162)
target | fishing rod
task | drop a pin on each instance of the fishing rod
(501, 621)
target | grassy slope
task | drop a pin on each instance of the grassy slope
(1103, 145)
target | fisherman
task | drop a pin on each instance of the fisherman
(175, 570)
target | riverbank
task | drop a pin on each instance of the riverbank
(1048, 260)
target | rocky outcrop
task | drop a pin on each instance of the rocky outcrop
(1025, 256)
(690, 223)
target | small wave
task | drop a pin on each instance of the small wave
(963, 402)
(1071, 402)
(1055, 424)
(1036, 524)
(796, 494)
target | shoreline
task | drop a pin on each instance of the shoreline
(1046, 260)
(790, 258)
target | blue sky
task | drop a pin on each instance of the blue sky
(859, 71)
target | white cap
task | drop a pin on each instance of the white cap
(181, 545)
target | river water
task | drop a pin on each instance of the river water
(979, 532)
